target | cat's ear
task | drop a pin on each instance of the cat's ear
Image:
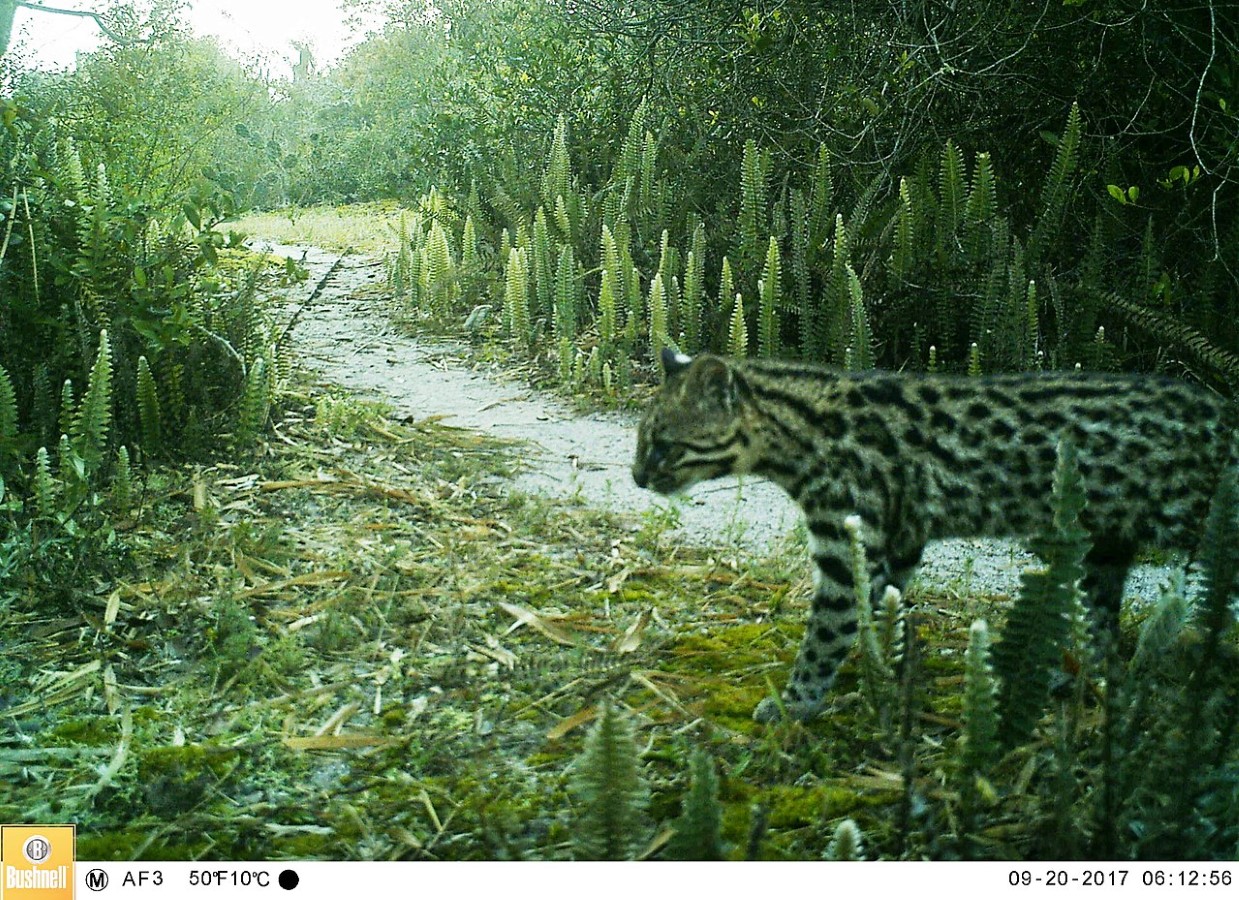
(674, 363)
(713, 380)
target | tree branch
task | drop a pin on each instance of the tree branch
(81, 13)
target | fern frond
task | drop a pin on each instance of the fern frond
(658, 316)
(45, 487)
(149, 416)
(122, 482)
(1219, 557)
(752, 219)
(838, 297)
(860, 338)
(557, 178)
(951, 198)
(94, 415)
(903, 252)
(694, 292)
(877, 678)
(980, 209)
(1188, 339)
(8, 409)
(980, 736)
(848, 844)
(610, 791)
(1054, 195)
(726, 286)
(770, 297)
(608, 315)
(439, 271)
(255, 402)
(738, 333)
(470, 261)
(542, 274)
(566, 295)
(516, 297)
(699, 829)
(1040, 620)
(820, 203)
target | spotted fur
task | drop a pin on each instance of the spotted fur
(921, 457)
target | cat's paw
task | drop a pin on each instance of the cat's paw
(770, 710)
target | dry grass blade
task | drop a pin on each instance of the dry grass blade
(539, 623)
(573, 722)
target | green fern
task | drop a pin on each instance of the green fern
(821, 198)
(608, 314)
(565, 320)
(516, 298)
(122, 482)
(1201, 348)
(770, 298)
(557, 179)
(71, 468)
(699, 829)
(752, 219)
(848, 844)
(8, 409)
(542, 274)
(980, 210)
(470, 260)
(726, 288)
(1040, 621)
(1057, 189)
(45, 486)
(1219, 557)
(738, 332)
(438, 272)
(565, 353)
(90, 426)
(877, 673)
(658, 316)
(860, 338)
(610, 791)
(629, 165)
(975, 367)
(255, 402)
(799, 273)
(980, 748)
(951, 199)
(566, 218)
(903, 252)
(838, 298)
(694, 292)
(149, 414)
(647, 180)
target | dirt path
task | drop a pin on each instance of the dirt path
(352, 343)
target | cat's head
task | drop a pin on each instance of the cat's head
(693, 429)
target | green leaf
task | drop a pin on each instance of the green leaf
(1116, 192)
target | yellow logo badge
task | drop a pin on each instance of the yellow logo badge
(36, 862)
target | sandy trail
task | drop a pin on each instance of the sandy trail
(350, 341)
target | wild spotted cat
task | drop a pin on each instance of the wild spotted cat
(920, 457)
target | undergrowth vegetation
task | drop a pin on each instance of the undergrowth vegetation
(291, 670)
